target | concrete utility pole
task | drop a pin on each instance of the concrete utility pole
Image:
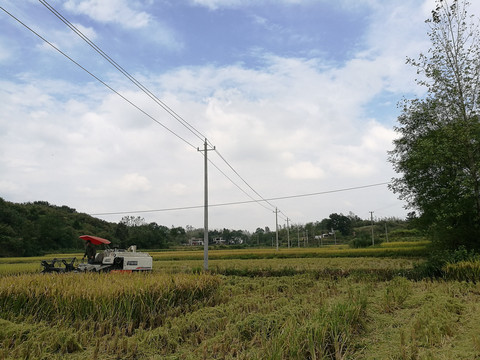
(205, 209)
(386, 231)
(276, 226)
(288, 234)
(371, 218)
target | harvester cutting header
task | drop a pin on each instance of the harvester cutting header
(110, 259)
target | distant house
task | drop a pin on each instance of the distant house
(195, 242)
(219, 241)
(236, 241)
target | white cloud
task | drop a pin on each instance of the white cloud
(218, 4)
(304, 170)
(133, 183)
(125, 14)
(288, 126)
(110, 11)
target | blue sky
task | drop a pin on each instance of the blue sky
(299, 96)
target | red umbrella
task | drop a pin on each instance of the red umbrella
(95, 240)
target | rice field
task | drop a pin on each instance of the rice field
(290, 307)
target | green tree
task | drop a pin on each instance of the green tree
(177, 235)
(341, 223)
(438, 151)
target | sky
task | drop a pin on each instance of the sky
(297, 99)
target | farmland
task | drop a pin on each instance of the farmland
(322, 303)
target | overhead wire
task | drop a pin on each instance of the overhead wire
(137, 83)
(238, 186)
(246, 183)
(192, 129)
(244, 202)
(97, 78)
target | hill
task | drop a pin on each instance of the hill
(30, 229)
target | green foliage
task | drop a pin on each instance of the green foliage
(434, 266)
(363, 240)
(405, 234)
(341, 223)
(438, 150)
(31, 229)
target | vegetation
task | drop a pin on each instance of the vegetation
(438, 150)
(32, 229)
(259, 307)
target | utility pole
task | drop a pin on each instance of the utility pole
(386, 231)
(298, 235)
(288, 234)
(276, 226)
(371, 218)
(205, 209)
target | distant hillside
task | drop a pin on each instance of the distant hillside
(31, 229)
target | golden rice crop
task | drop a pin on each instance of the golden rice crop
(395, 249)
(19, 268)
(303, 265)
(463, 271)
(131, 299)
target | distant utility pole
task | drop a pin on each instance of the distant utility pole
(276, 226)
(205, 209)
(371, 218)
(288, 233)
(386, 232)
(298, 235)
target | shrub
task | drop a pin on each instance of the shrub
(363, 240)
(434, 267)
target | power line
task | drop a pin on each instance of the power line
(143, 89)
(238, 186)
(137, 83)
(242, 202)
(152, 96)
(98, 79)
(246, 183)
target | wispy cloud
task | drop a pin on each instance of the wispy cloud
(110, 11)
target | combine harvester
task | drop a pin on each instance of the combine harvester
(110, 260)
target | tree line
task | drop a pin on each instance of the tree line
(34, 228)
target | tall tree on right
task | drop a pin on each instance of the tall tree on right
(437, 153)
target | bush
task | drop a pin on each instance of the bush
(363, 240)
(434, 267)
